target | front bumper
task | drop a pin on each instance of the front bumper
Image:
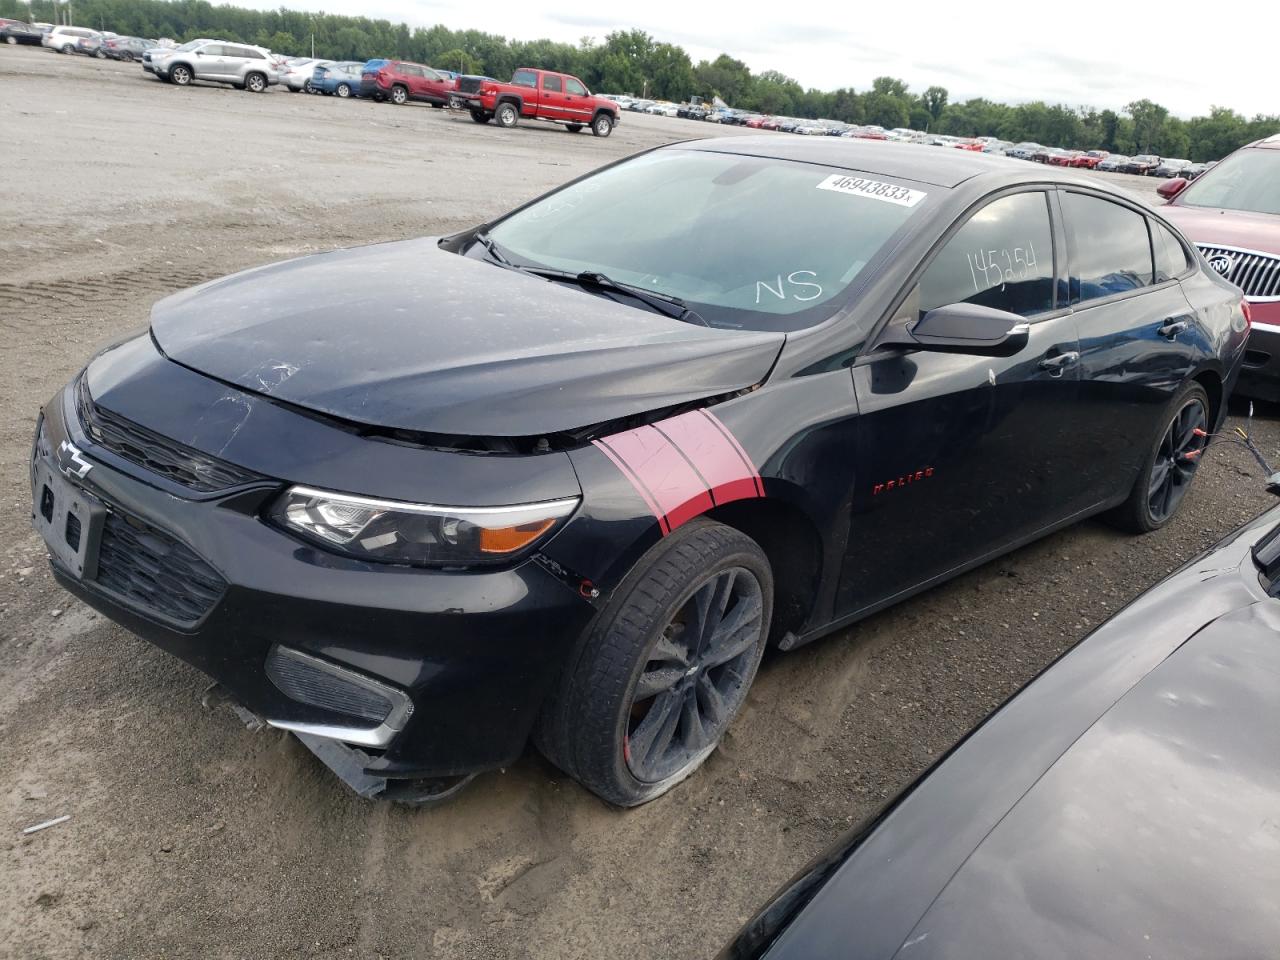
(1260, 371)
(474, 652)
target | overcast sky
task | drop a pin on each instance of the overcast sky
(1093, 54)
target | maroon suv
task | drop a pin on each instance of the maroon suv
(400, 81)
(1232, 213)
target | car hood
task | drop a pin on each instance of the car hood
(406, 335)
(1230, 228)
(1154, 835)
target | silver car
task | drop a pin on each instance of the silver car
(296, 73)
(221, 61)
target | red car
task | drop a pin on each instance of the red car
(1232, 213)
(537, 95)
(1064, 158)
(1090, 159)
(400, 82)
(974, 145)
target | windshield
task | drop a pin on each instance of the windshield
(1246, 180)
(189, 45)
(747, 242)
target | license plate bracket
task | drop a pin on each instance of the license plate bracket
(69, 520)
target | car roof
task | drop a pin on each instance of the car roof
(886, 158)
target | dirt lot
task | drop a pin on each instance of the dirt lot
(190, 836)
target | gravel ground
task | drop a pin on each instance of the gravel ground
(191, 837)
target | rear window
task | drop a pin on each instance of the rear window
(525, 78)
(748, 242)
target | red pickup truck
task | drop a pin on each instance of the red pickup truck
(536, 95)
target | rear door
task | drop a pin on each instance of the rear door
(960, 456)
(1139, 337)
(436, 86)
(551, 103)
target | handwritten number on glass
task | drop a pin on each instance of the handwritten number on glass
(998, 267)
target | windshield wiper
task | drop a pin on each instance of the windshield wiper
(672, 307)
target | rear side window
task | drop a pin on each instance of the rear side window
(575, 87)
(214, 50)
(1171, 255)
(551, 84)
(1001, 258)
(525, 78)
(1110, 247)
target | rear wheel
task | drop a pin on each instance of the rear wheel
(181, 75)
(343, 90)
(507, 115)
(399, 95)
(255, 82)
(602, 125)
(479, 116)
(1171, 464)
(665, 668)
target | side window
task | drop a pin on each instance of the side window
(213, 50)
(574, 87)
(1110, 247)
(525, 78)
(240, 53)
(409, 70)
(551, 83)
(1002, 257)
(254, 54)
(1171, 255)
(431, 74)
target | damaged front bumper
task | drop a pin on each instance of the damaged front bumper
(391, 675)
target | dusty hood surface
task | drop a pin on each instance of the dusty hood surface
(406, 335)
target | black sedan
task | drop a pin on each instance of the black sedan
(1122, 805)
(565, 475)
(15, 32)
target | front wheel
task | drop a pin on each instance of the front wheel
(1171, 464)
(399, 95)
(181, 75)
(343, 91)
(507, 115)
(602, 125)
(664, 669)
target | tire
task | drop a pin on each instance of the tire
(181, 75)
(574, 127)
(99, 54)
(127, 56)
(1173, 458)
(255, 82)
(479, 116)
(10, 40)
(399, 95)
(343, 91)
(307, 87)
(628, 743)
(507, 115)
(602, 125)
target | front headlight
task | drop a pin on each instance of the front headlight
(391, 531)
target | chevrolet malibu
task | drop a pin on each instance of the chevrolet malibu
(575, 468)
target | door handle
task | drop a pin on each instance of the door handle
(1171, 328)
(1059, 362)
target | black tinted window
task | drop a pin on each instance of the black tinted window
(1110, 248)
(1002, 258)
(1171, 256)
(551, 84)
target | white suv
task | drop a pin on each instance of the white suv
(248, 67)
(63, 39)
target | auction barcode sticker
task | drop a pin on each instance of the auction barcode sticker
(875, 189)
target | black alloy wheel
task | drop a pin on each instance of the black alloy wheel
(1177, 458)
(696, 678)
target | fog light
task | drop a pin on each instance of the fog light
(383, 709)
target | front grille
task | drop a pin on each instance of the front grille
(1257, 274)
(310, 680)
(150, 571)
(167, 458)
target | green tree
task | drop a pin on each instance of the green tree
(1148, 124)
(934, 99)
(885, 110)
(456, 59)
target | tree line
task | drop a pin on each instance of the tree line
(633, 62)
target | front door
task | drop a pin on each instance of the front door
(961, 456)
(576, 100)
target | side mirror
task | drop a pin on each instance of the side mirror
(1172, 188)
(964, 328)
